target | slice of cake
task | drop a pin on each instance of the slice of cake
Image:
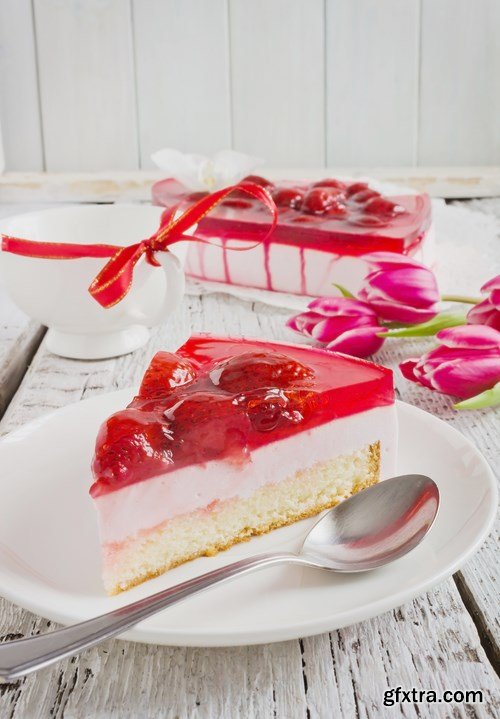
(323, 231)
(232, 438)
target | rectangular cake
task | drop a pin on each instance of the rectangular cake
(324, 229)
(231, 438)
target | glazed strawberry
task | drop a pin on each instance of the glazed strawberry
(288, 197)
(365, 195)
(382, 206)
(330, 182)
(207, 425)
(337, 208)
(269, 409)
(166, 372)
(130, 444)
(258, 180)
(355, 188)
(252, 370)
(317, 201)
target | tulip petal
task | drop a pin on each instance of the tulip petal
(395, 312)
(390, 260)
(470, 337)
(411, 286)
(332, 306)
(485, 313)
(495, 298)
(408, 369)
(493, 284)
(329, 328)
(304, 322)
(466, 379)
(360, 342)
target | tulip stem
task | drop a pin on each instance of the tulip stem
(490, 398)
(461, 298)
(427, 329)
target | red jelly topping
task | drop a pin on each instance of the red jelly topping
(221, 398)
(350, 218)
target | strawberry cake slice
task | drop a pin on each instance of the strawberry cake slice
(230, 438)
(324, 229)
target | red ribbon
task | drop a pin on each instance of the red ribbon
(115, 279)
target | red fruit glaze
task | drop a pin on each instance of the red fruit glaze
(342, 218)
(219, 398)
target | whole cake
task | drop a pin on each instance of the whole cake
(231, 438)
(323, 231)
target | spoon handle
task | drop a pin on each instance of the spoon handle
(24, 656)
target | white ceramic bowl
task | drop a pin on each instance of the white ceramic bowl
(55, 292)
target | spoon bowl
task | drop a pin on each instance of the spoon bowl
(375, 526)
(368, 530)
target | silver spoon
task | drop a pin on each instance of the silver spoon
(368, 530)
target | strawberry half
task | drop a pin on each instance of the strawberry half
(166, 372)
(131, 445)
(206, 425)
(253, 370)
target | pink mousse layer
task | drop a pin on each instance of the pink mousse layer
(140, 507)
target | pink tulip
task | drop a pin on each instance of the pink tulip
(466, 364)
(487, 312)
(400, 289)
(342, 324)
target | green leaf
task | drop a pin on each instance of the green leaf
(490, 398)
(344, 291)
(427, 329)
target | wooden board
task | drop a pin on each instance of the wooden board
(132, 186)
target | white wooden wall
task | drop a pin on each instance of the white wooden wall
(100, 84)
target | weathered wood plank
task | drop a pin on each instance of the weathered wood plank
(460, 65)
(372, 122)
(431, 642)
(20, 121)
(479, 580)
(182, 72)
(87, 89)
(19, 336)
(465, 182)
(277, 82)
(19, 339)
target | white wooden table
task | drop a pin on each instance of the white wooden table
(447, 639)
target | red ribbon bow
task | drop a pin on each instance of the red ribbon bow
(115, 279)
